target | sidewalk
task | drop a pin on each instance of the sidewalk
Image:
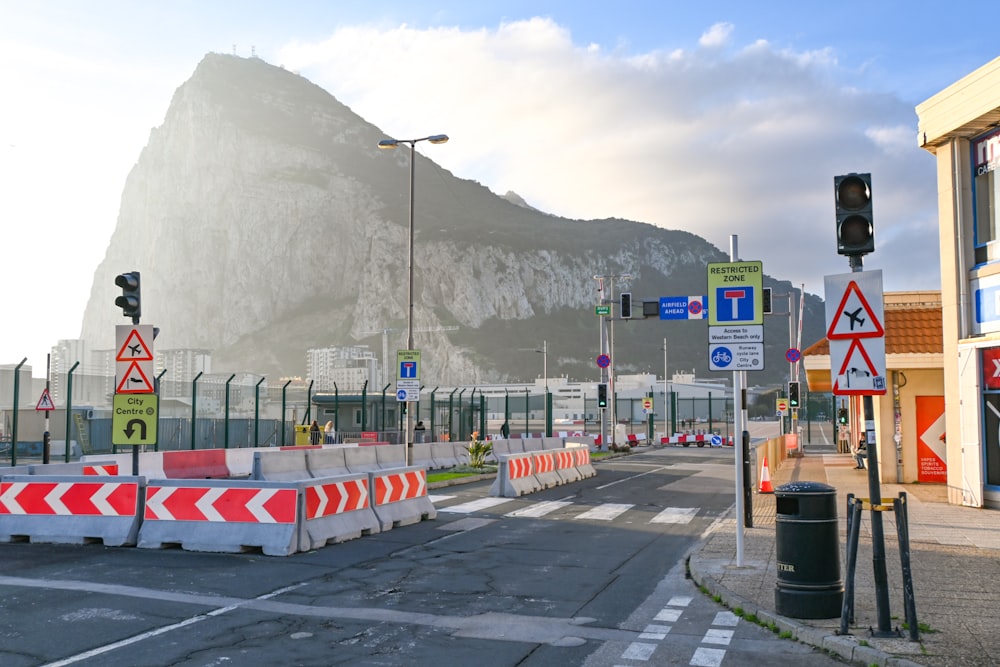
(955, 561)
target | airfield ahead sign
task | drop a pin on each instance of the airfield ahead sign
(854, 317)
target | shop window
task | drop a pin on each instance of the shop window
(986, 195)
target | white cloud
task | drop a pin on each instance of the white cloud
(715, 144)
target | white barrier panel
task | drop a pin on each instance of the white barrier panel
(391, 456)
(400, 496)
(443, 454)
(64, 509)
(287, 465)
(515, 476)
(420, 455)
(327, 462)
(336, 509)
(552, 443)
(223, 516)
(362, 459)
(533, 444)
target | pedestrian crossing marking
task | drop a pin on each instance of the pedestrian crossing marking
(606, 511)
(679, 601)
(678, 515)
(539, 509)
(726, 618)
(639, 651)
(668, 615)
(707, 657)
(475, 505)
(655, 632)
(714, 636)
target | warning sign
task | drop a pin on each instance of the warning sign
(854, 316)
(45, 402)
(134, 347)
(859, 373)
(134, 381)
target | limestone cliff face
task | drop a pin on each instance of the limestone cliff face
(265, 221)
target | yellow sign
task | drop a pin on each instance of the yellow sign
(735, 293)
(782, 405)
(133, 421)
(647, 404)
(407, 364)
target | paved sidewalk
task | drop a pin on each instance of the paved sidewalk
(955, 561)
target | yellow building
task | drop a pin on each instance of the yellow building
(960, 126)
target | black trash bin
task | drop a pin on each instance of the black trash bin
(809, 583)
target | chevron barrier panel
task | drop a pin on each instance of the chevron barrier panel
(545, 469)
(336, 509)
(223, 516)
(515, 476)
(566, 466)
(581, 457)
(64, 509)
(400, 496)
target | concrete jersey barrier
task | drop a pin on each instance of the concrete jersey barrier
(64, 509)
(400, 496)
(336, 509)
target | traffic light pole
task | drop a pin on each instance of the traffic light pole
(875, 498)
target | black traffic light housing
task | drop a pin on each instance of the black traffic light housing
(793, 394)
(131, 300)
(766, 300)
(626, 305)
(855, 223)
(602, 395)
(842, 415)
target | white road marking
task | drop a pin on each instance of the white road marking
(714, 636)
(707, 657)
(539, 509)
(639, 651)
(678, 515)
(605, 512)
(475, 505)
(726, 618)
(668, 615)
(655, 632)
(679, 601)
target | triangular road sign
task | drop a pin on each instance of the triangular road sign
(854, 317)
(45, 402)
(857, 374)
(134, 349)
(134, 381)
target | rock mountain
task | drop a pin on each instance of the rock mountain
(265, 221)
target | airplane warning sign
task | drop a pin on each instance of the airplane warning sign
(861, 364)
(134, 358)
(134, 381)
(859, 311)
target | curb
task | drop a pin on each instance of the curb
(846, 648)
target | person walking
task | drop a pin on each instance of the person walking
(860, 453)
(314, 433)
(329, 433)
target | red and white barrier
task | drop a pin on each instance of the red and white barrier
(515, 476)
(227, 516)
(400, 496)
(336, 509)
(700, 439)
(545, 469)
(67, 510)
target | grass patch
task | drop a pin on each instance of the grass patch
(459, 473)
(785, 634)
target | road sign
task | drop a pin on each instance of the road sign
(854, 315)
(736, 357)
(408, 395)
(133, 419)
(782, 406)
(753, 333)
(682, 307)
(134, 359)
(603, 361)
(792, 355)
(408, 364)
(45, 402)
(602, 310)
(735, 291)
(647, 404)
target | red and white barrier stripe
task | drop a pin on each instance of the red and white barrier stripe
(220, 504)
(336, 498)
(69, 498)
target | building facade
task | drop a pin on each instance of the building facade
(960, 127)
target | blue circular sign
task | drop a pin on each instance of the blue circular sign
(722, 357)
(603, 361)
(716, 440)
(694, 307)
(793, 355)
(401, 395)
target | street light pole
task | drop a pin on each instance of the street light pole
(389, 144)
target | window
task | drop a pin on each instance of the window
(986, 195)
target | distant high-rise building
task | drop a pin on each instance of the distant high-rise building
(348, 367)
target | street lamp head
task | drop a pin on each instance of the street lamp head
(438, 138)
(388, 144)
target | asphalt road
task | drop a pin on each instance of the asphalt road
(590, 573)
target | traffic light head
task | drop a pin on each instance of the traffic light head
(130, 301)
(602, 395)
(626, 305)
(855, 224)
(842, 415)
(793, 394)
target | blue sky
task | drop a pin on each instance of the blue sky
(716, 117)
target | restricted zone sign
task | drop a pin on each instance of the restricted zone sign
(736, 316)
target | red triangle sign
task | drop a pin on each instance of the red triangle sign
(855, 318)
(858, 373)
(134, 349)
(134, 381)
(45, 401)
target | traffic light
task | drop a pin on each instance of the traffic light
(602, 395)
(842, 415)
(766, 300)
(855, 223)
(793, 394)
(130, 301)
(626, 305)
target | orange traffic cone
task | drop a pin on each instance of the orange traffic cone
(765, 479)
